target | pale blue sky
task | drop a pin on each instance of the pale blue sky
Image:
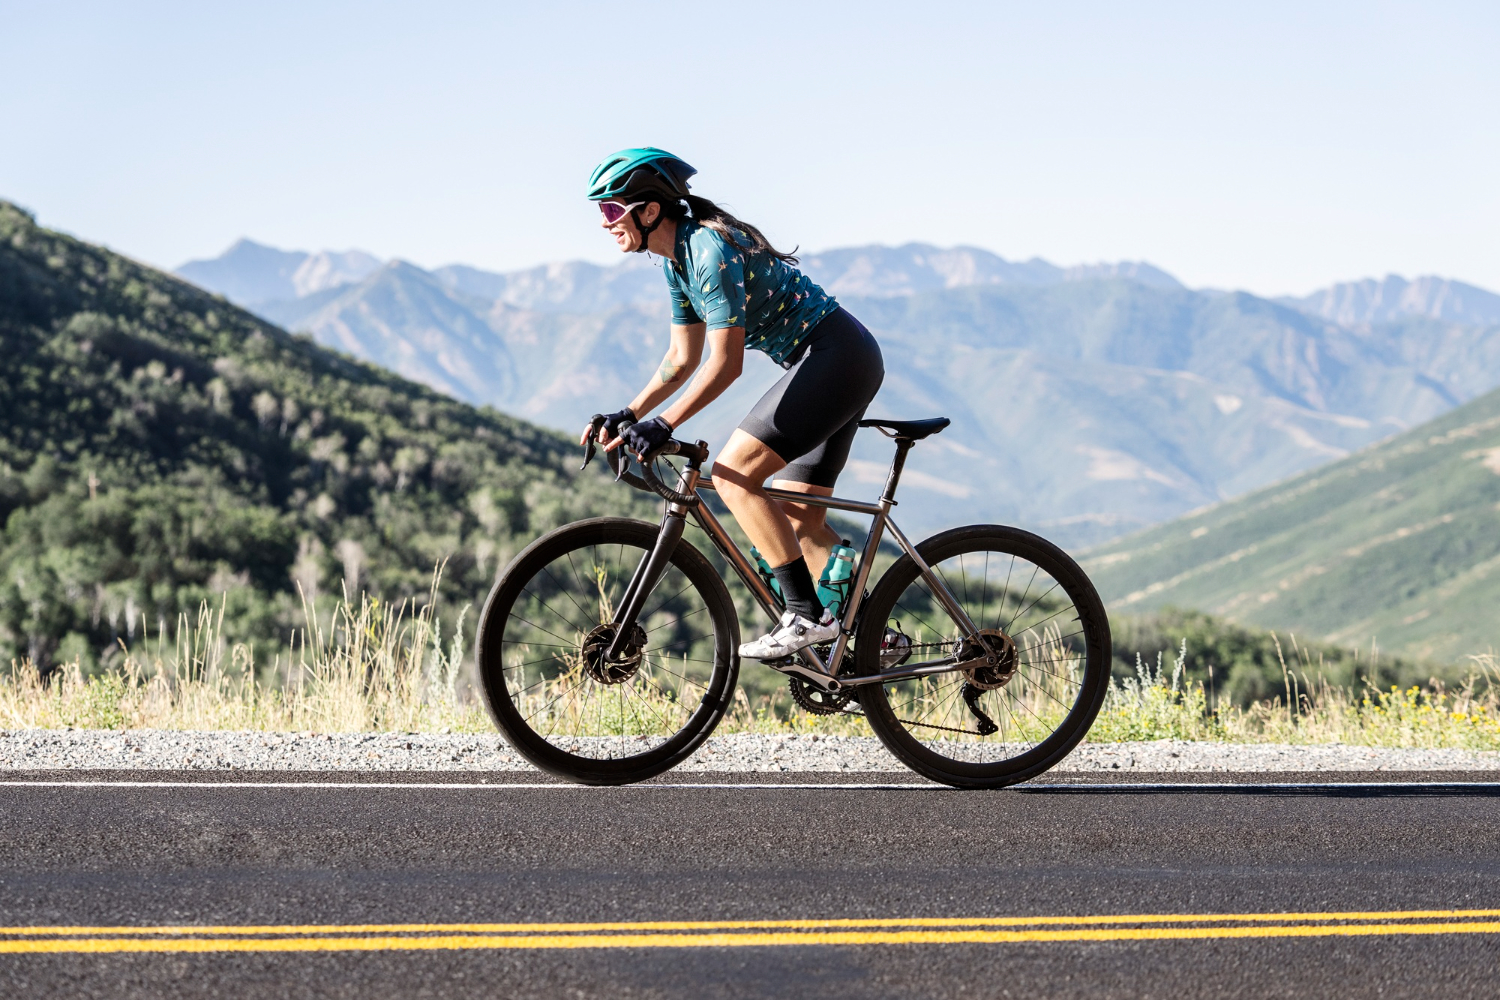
(1261, 145)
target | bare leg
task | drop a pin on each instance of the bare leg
(740, 473)
(814, 535)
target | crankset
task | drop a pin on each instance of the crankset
(817, 701)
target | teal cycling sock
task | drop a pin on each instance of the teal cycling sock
(798, 589)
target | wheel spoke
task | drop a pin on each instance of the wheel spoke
(540, 600)
(558, 704)
(1031, 596)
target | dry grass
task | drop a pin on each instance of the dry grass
(374, 666)
(1155, 704)
(381, 667)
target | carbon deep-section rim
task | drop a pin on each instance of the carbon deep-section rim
(1043, 616)
(548, 690)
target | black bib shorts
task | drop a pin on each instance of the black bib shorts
(809, 417)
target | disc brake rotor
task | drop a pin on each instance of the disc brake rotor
(621, 669)
(988, 671)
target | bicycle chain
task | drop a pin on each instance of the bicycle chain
(987, 726)
(971, 694)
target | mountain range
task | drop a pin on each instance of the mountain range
(1394, 298)
(1397, 545)
(1088, 402)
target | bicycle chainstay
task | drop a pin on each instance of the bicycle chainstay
(970, 693)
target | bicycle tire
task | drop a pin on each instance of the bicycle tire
(548, 567)
(1038, 664)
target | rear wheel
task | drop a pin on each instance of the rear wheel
(541, 651)
(986, 725)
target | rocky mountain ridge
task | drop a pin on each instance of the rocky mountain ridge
(1087, 402)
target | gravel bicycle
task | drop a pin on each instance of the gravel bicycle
(608, 648)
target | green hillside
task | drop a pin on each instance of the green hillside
(1398, 544)
(160, 447)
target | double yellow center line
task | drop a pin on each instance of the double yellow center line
(742, 933)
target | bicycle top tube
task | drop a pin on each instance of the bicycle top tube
(810, 499)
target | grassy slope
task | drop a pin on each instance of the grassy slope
(160, 447)
(1399, 543)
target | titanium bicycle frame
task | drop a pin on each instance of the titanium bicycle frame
(812, 668)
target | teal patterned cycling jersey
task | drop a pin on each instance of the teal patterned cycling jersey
(715, 283)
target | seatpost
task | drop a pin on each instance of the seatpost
(903, 445)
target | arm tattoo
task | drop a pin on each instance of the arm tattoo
(670, 373)
(701, 379)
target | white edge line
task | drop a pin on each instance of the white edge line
(498, 786)
(851, 786)
(1260, 785)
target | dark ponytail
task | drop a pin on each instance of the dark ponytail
(707, 214)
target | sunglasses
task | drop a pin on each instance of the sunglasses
(613, 211)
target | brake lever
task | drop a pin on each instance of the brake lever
(595, 422)
(619, 459)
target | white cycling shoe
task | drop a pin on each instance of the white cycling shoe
(790, 634)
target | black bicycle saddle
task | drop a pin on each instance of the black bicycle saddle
(915, 430)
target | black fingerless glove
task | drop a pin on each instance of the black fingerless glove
(614, 420)
(647, 436)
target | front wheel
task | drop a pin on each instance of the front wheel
(551, 689)
(988, 725)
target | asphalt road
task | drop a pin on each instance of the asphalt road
(92, 869)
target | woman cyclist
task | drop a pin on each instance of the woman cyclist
(733, 290)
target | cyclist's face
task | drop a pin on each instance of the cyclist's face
(627, 235)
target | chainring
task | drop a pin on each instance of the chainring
(816, 702)
(987, 676)
(596, 645)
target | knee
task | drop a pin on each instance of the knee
(731, 484)
(803, 516)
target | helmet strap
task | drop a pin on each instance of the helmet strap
(645, 230)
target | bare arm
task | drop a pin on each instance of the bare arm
(725, 362)
(682, 357)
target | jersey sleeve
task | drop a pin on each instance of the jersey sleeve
(719, 270)
(683, 313)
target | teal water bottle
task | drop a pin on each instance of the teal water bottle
(833, 585)
(764, 569)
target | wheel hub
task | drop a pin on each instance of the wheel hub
(987, 671)
(621, 669)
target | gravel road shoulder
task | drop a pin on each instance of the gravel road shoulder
(156, 750)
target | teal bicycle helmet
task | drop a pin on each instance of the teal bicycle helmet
(647, 170)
